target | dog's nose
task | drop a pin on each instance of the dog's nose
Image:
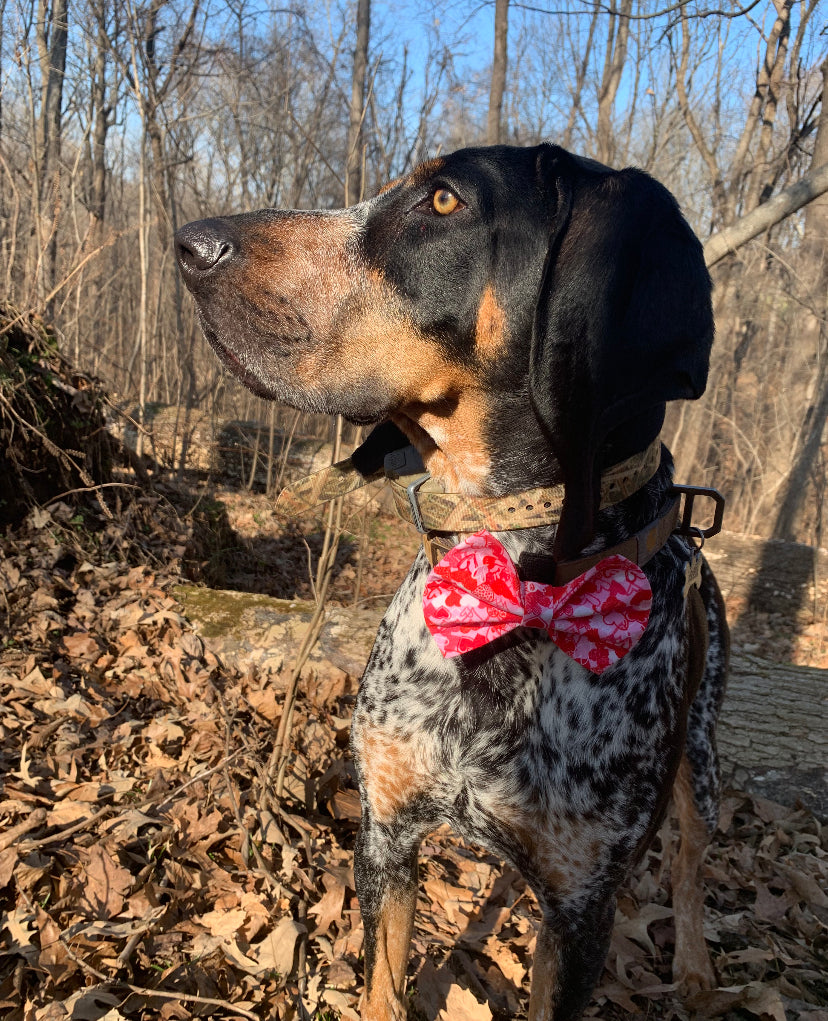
(202, 245)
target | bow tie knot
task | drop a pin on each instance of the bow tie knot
(474, 595)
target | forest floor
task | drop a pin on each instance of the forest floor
(146, 871)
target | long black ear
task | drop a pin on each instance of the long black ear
(623, 324)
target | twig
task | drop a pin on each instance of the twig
(58, 452)
(271, 879)
(37, 818)
(201, 776)
(92, 489)
(324, 573)
(134, 940)
(31, 845)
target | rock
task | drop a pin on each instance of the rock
(348, 637)
(249, 630)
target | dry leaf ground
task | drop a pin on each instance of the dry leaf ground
(146, 873)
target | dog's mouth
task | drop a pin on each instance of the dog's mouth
(232, 362)
(362, 405)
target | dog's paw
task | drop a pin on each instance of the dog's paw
(694, 977)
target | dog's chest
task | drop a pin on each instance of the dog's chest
(525, 732)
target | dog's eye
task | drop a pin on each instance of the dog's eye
(444, 202)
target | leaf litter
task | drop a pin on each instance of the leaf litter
(147, 872)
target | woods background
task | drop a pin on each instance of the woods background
(118, 122)
(178, 805)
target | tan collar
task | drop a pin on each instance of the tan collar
(440, 517)
(434, 511)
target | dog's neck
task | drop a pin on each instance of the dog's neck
(479, 447)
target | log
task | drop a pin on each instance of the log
(773, 732)
(769, 575)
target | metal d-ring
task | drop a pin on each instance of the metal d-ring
(694, 532)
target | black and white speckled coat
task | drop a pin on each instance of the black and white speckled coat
(522, 316)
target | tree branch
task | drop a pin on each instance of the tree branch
(806, 189)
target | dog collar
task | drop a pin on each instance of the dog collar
(441, 517)
(433, 511)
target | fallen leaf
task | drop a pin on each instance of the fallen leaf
(756, 997)
(223, 923)
(329, 909)
(463, 1005)
(277, 951)
(105, 884)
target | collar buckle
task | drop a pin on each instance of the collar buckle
(403, 461)
(411, 491)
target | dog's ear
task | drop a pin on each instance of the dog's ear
(623, 324)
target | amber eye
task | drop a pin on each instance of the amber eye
(444, 202)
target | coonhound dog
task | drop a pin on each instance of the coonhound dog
(520, 317)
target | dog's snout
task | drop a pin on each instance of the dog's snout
(201, 246)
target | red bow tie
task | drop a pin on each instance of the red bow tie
(474, 595)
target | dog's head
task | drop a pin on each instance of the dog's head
(522, 314)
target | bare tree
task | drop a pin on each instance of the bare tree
(499, 66)
(354, 176)
(806, 469)
(615, 55)
(52, 32)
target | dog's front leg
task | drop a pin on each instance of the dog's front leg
(385, 871)
(568, 962)
(692, 967)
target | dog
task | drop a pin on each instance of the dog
(520, 317)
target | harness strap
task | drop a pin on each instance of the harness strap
(639, 548)
(440, 517)
(336, 480)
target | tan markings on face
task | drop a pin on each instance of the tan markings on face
(393, 770)
(373, 339)
(390, 185)
(692, 968)
(384, 998)
(490, 333)
(301, 270)
(545, 967)
(421, 174)
(301, 262)
(442, 408)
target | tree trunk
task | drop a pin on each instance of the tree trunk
(580, 78)
(806, 479)
(499, 66)
(816, 215)
(354, 183)
(616, 54)
(762, 173)
(100, 118)
(773, 734)
(52, 38)
(2, 25)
